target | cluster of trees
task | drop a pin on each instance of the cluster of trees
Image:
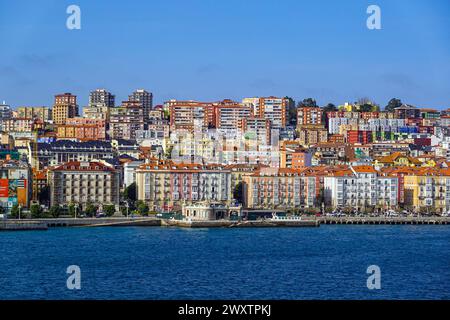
(364, 103)
(36, 211)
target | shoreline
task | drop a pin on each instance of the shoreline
(44, 224)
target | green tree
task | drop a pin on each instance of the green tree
(123, 210)
(329, 107)
(142, 208)
(36, 211)
(366, 107)
(109, 210)
(168, 154)
(54, 211)
(308, 102)
(15, 211)
(71, 210)
(44, 195)
(292, 111)
(90, 210)
(392, 104)
(130, 192)
(238, 192)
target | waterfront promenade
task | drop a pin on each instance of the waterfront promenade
(43, 224)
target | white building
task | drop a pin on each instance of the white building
(359, 187)
(129, 172)
(207, 211)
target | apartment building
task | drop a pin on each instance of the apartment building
(333, 153)
(126, 120)
(360, 187)
(295, 158)
(273, 109)
(312, 134)
(101, 97)
(279, 188)
(97, 112)
(231, 116)
(65, 107)
(270, 108)
(18, 124)
(309, 115)
(83, 129)
(82, 183)
(427, 189)
(407, 111)
(185, 114)
(42, 113)
(258, 129)
(145, 99)
(165, 185)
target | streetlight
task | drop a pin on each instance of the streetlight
(126, 205)
(76, 207)
(20, 207)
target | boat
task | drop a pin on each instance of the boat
(277, 218)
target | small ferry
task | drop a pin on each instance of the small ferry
(275, 217)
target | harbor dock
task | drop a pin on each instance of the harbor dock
(239, 224)
(22, 225)
(385, 220)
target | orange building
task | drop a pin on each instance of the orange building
(65, 107)
(83, 129)
(309, 115)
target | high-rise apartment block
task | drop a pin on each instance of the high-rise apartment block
(101, 97)
(145, 98)
(271, 108)
(65, 107)
(126, 120)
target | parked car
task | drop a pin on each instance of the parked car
(100, 215)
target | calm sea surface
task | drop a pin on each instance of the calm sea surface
(329, 262)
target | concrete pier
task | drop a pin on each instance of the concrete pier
(241, 224)
(386, 220)
(22, 225)
(93, 222)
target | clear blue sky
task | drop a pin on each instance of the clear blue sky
(216, 49)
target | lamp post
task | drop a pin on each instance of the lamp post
(76, 208)
(126, 205)
(20, 207)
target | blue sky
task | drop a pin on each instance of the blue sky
(212, 49)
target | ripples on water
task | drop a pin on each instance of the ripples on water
(329, 262)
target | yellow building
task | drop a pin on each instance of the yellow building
(427, 190)
(398, 159)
